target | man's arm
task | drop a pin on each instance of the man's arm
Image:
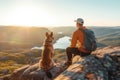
(74, 40)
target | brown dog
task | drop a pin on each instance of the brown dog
(46, 61)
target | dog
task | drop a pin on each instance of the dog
(46, 61)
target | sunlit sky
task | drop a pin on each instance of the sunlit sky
(59, 12)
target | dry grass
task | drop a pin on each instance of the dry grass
(11, 60)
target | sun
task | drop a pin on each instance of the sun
(30, 16)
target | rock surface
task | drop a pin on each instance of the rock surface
(103, 64)
(34, 72)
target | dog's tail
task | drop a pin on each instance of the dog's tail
(49, 74)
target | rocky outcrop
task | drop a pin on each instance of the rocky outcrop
(34, 72)
(103, 64)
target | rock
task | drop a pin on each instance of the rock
(102, 66)
(6, 77)
(34, 72)
(18, 72)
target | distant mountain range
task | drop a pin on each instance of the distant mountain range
(106, 36)
(109, 36)
(27, 37)
(21, 37)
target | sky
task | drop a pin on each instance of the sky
(59, 12)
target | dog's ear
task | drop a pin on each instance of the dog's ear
(47, 34)
(51, 34)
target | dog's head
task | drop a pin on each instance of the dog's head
(49, 37)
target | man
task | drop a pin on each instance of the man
(77, 39)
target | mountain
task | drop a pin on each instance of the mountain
(111, 39)
(106, 36)
(21, 37)
(103, 31)
(64, 30)
(12, 37)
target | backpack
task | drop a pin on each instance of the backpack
(89, 40)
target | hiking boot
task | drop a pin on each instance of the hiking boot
(68, 63)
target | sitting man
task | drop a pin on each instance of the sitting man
(77, 39)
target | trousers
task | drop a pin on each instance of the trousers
(71, 51)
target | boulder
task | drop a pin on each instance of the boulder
(102, 66)
(5, 77)
(34, 72)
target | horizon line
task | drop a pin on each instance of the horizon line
(55, 26)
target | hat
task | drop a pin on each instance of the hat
(79, 20)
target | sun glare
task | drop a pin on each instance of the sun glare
(30, 16)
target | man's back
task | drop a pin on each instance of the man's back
(78, 39)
